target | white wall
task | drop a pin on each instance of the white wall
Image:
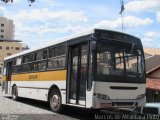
(8, 28)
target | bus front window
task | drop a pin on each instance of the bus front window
(119, 62)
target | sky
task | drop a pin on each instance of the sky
(47, 20)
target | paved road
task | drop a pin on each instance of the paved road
(27, 109)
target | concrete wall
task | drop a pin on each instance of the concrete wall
(8, 29)
(12, 49)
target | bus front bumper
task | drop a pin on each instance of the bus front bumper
(118, 103)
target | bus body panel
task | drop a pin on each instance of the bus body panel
(118, 103)
(40, 76)
(36, 85)
(89, 97)
(103, 93)
(39, 89)
(119, 92)
(118, 97)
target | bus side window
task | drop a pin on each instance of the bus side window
(61, 50)
(52, 52)
(35, 66)
(61, 62)
(38, 55)
(17, 65)
(42, 65)
(40, 60)
(52, 64)
(57, 57)
(45, 54)
(4, 71)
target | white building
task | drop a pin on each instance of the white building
(6, 29)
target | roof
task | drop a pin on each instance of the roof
(152, 51)
(63, 40)
(7, 40)
(147, 55)
(152, 63)
(153, 84)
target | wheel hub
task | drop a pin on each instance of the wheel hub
(55, 101)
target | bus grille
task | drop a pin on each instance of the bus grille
(124, 104)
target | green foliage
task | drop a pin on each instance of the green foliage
(6, 1)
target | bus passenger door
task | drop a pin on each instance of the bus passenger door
(8, 76)
(77, 74)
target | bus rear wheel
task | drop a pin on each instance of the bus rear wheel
(14, 93)
(55, 101)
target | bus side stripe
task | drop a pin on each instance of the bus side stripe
(32, 87)
(41, 76)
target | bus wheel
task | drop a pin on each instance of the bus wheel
(14, 93)
(55, 101)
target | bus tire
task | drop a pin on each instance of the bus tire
(55, 101)
(14, 93)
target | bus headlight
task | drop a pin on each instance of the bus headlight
(102, 96)
(140, 96)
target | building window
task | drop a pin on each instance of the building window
(11, 47)
(17, 48)
(2, 25)
(0, 47)
(2, 30)
(8, 54)
(2, 36)
(7, 48)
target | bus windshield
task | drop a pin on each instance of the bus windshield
(119, 62)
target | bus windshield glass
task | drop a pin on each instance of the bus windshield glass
(119, 62)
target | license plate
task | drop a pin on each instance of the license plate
(106, 105)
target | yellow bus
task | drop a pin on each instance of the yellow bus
(98, 69)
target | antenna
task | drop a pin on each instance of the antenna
(122, 14)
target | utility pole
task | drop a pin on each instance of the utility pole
(122, 14)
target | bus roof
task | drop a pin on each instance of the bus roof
(57, 41)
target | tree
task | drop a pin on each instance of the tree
(6, 1)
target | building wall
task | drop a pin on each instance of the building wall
(9, 48)
(6, 28)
